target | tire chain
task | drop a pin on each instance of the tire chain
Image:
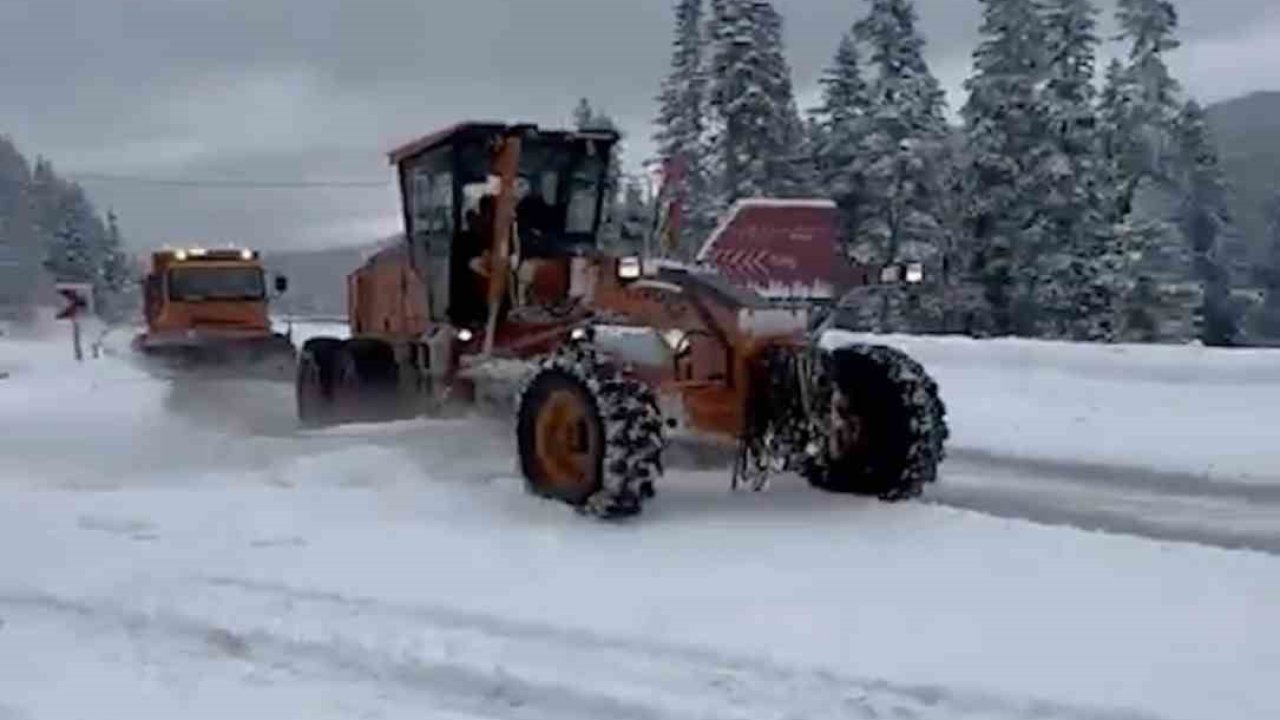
(634, 433)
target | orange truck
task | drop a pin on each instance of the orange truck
(206, 312)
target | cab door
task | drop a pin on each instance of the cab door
(428, 188)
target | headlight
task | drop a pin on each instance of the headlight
(246, 254)
(579, 334)
(198, 252)
(180, 255)
(466, 335)
(915, 273)
(629, 268)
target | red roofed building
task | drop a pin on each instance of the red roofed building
(782, 249)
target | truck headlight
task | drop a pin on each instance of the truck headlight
(915, 273)
(629, 268)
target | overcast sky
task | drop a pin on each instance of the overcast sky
(319, 90)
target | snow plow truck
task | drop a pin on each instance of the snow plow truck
(206, 313)
(500, 282)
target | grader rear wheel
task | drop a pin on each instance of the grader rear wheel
(343, 381)
(315, 380)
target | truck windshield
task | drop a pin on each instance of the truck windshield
(192, 284)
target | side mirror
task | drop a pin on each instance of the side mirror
(282, 284)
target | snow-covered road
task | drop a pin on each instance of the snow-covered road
(183, 551)
(1153, 504)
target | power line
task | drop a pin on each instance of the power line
(231, 184)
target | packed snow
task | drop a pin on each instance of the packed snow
(183, 550)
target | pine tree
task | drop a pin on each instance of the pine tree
(76, 253)
(682, 129)
(791, 172)
(1204, 218)
(754, 118)
(1121, 155)
(841, 125)
(845, 101)
(19, 240)
(636, 213)
(1081, 269)
(586, 118)
(901, 159)
(77, 243)
(1007, 154)
(1142, 111)
(583, 116)
(116, 286)
(1266, 320)
(1116, 139)
(797, 169)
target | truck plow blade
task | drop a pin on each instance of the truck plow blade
(258, 358)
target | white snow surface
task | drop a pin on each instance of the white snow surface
(178, 551)
(1205, 412)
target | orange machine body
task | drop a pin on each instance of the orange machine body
(710, 329)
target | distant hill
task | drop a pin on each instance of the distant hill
(1247, 130)
(318, 278)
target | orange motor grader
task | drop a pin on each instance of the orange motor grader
(500, 282)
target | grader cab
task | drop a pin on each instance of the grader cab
(500, 279)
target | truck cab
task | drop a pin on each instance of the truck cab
(206, 291)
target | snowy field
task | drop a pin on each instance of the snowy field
(1169, 442)
(1206, 412)
(183, 551)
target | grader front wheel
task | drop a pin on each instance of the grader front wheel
(887, 425)
(589, 437)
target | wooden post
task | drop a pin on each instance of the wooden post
(75, 335)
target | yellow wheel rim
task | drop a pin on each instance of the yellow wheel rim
(566, 439)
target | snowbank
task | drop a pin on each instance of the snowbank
(1207, 412)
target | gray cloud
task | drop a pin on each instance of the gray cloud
(319, 90)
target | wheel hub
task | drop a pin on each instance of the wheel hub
(565, 441)
(846, 426)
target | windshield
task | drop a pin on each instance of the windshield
(192, 284)
(557, 189)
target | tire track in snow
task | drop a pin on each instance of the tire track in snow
(494, 694)
(1233, 516)
(491, 667)
(646, 669)
(970, 460)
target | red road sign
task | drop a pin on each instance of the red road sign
(76, 302)
(786, 247)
